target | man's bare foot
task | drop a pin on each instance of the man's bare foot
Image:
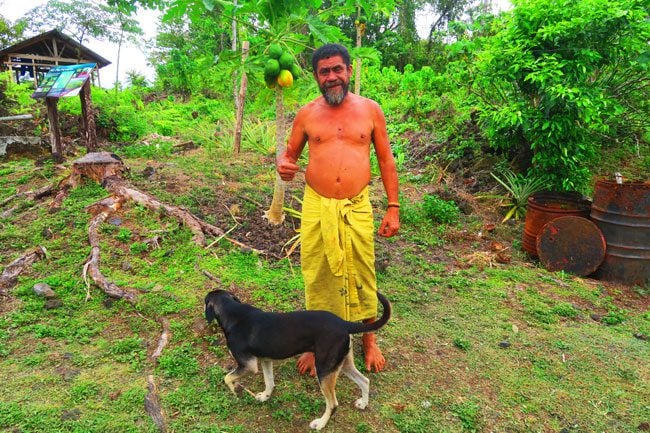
(307, 364)
(375, 361)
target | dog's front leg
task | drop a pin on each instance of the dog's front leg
(269, 383)
(243, 368)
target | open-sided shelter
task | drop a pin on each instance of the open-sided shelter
(35, 56)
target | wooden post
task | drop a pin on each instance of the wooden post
(88, 129)
(357, 61)
(34, 74)
(241, 98)
(55, 132)
(234, 48)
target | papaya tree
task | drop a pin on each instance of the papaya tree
(287, 27)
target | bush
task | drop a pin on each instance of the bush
(440, 210)
(553, 84)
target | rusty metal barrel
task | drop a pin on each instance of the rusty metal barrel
(622, 212)
(545, 206)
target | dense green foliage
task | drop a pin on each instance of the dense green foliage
(481, 339)
(550, 88)
(556, 82)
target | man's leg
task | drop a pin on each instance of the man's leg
(375, 361)
(307, 364)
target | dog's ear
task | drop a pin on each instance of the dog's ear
(209, 311)
(210, 306)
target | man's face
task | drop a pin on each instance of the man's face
(333, 78)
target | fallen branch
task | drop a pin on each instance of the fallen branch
(10, 275)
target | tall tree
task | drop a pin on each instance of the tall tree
(445, 12)
(188, 45)
(82, 19)
(11, 32)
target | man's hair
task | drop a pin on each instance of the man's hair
(327, 51)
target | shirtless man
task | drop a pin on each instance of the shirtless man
(337, 232)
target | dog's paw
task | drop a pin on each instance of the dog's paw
(318, 424)
(262, 396)
(361, 404)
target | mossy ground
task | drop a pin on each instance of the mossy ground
(475, 344)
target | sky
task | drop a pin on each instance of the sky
(134, 58)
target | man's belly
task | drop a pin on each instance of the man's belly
(337, 185)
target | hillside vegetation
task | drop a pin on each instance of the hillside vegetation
(482, 339)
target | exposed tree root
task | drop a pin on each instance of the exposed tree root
(106, 207)
(107, 169)
(14, 269)
(118, 187)
(162, 341)
(152, 401)
(32, 195)
(152, 405)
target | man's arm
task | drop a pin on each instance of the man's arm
(390, 224)
(286, 162)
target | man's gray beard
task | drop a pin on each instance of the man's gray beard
(335, 98)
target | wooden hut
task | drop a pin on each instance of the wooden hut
(35, 56)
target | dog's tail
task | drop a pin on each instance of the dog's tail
(356, 327)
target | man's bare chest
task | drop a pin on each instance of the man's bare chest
(348, 130)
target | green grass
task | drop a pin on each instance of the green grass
(470, 348)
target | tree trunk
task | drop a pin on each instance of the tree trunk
(89, 131)
(55, 132)
(357, 61)
(241, 99)
(275, 214)
(117, 64)
(234, 48)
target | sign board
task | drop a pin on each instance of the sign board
(63, 81)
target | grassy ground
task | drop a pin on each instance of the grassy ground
(476, 344)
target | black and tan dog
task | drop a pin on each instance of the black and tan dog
(253, 334)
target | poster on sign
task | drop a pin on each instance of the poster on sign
(64, 81)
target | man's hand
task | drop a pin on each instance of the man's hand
(390, 224)
(286, 168)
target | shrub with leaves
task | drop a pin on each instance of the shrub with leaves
(556, 81)
(16, 98)
(440, 210)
